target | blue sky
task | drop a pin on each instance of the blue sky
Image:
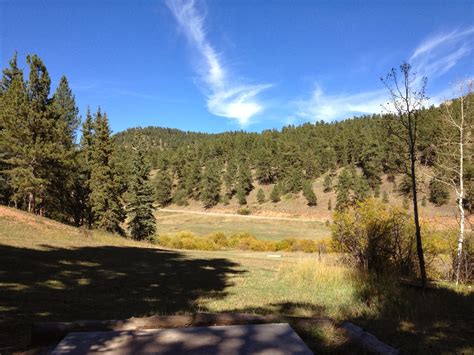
(238, 64)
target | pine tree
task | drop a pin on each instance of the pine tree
(343, 189)
(105, 190)
(309, 194)
(142, 222)
(13, 111)
(275, 195)
(230, 177)
(10, 74)
(210, 185)
(263, 170)
(439, 193)
(241, 197)
(294, 181)
(180, 197)
(64, 178)
(192, 179)
(327, 183)
(244, 178)
(260, 196)
(329, 205)
(27, 134)
(83, 187)
(163, 185)
(361, 188)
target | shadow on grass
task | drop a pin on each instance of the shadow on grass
(436, 320)
(102, 282)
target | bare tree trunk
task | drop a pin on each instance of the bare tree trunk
(31, 202)
(419, 244)
(461, 194)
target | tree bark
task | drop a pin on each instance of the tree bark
(461, 195)
(419, 244)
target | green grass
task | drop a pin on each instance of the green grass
(268, 229)
(50, 272)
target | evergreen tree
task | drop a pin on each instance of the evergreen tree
(309, 194)
(294, 181)
(142, 222)
(275, 195)
(27, 135)
(327, 183)
(210, 185)
(385, 197)
(263, 170)
(343, 190)
(192, 179)
(244, 178)
(64, 175)
(230, 177)
(13, 111)
(225, 199)
(241, 197)
(439, 193)
(10, 74)
(361, 188)
(83, 188)
(329, 205)
(260, 196)
(163, 186)
(105, 191)
(180, 197)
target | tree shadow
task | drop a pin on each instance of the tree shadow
(435, 320)
(246, 339)
(321, 334)
(103, 282)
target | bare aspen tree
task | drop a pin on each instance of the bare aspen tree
(451, 154)
(407, 96)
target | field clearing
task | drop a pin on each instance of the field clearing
(261, 228)
(51, 272)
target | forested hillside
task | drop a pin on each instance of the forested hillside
(351, 157)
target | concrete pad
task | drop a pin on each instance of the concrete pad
(271, 339)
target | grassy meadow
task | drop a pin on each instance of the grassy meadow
(52, 272)
(265, 229)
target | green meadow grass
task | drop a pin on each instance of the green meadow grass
(51, 272)
(267, 229)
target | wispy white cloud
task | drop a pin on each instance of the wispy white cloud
(321, 106)
(432, 58)
(437, 54)
(225, 97)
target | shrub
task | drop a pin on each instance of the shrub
(376, 237)
(287, 244)
(308, 246)
(239, 241)
(219, 239)
(260, 196)
(245, 211)
(439, 193)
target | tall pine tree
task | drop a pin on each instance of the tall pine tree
(105, 196)
(142, 222)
